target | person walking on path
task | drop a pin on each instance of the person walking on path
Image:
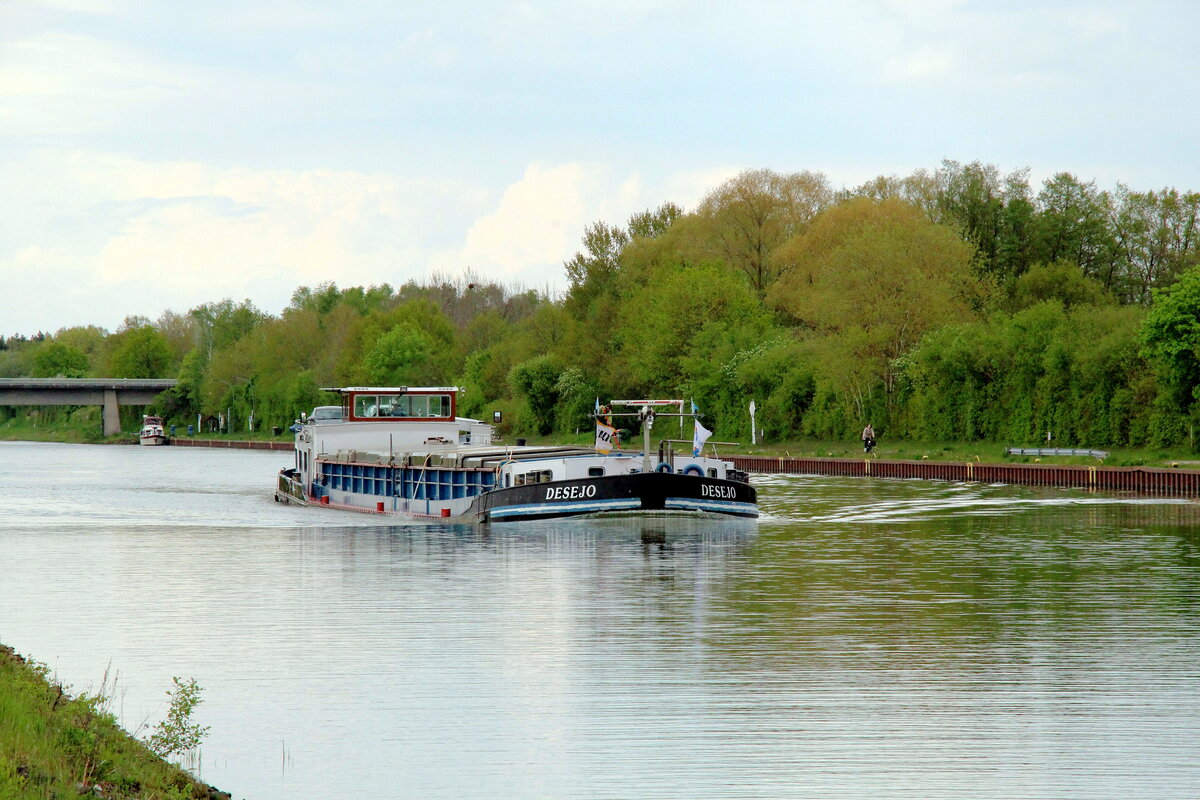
(868, 438)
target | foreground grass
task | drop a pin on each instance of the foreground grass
(55, 745)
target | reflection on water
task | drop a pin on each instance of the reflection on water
(869, 638)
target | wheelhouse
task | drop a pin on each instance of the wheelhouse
(416, 404)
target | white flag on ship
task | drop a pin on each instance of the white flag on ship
(699, 438)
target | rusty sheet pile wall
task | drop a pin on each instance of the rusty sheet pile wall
(234, 443)
(1142, 480)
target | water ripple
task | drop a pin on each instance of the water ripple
(867, 638)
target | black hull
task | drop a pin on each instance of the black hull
(639, 493)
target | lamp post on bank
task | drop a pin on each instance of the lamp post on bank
(753, 429)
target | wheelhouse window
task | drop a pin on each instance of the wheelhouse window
(400, 406)
(418, 405)
(393, 405)
(439, 405)
(366, 405)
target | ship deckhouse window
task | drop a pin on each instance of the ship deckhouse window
(712, 472)
(366, 405)
(520, 479)
(421, 406)
(595, 472)
(393, 405)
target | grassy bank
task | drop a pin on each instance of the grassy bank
(988, 452)
(82, 427)
(53, 744)
(79, 426)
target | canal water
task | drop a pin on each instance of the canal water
(867, 638)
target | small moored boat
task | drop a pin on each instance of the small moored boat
(152, 432)
(403, 451)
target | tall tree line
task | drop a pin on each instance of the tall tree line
(955, 303)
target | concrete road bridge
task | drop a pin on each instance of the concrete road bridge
(111, 393)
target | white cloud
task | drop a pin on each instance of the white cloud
(926, 63)
(923, 9)
(186, 233)
(97, 7)
(1093, 23)
(539, 220)
(310, 225)
(129, 236)
(62, 82)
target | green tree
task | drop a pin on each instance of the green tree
(993, 212)
(536, 381)
(922, 189)
(184, 399)
(1062, 281)
(1076, 374)
(412, 344)
(399, 356)
(577, 396)
(1073, 224)
(177, 734)
(221, 324)
(54, 359)
(972, 198)
(593, 274)
(677, 330)
(1158, 237)
(877, 276)
(182, 333)
(650, 224)
(1171, 336)
(140, 353)
(749, 216)
(88, 338)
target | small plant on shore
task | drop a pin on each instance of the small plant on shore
(178, 734)
(57, 744)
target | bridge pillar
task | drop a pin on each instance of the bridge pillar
(112, 413)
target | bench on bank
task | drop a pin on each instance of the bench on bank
(1056, 451)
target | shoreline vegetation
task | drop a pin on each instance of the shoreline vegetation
(54, 743)
(957, 305)
(956, 452)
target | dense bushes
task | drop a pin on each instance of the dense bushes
(1077, 375)
(957, 304)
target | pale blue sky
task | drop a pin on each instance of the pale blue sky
(157, 155)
